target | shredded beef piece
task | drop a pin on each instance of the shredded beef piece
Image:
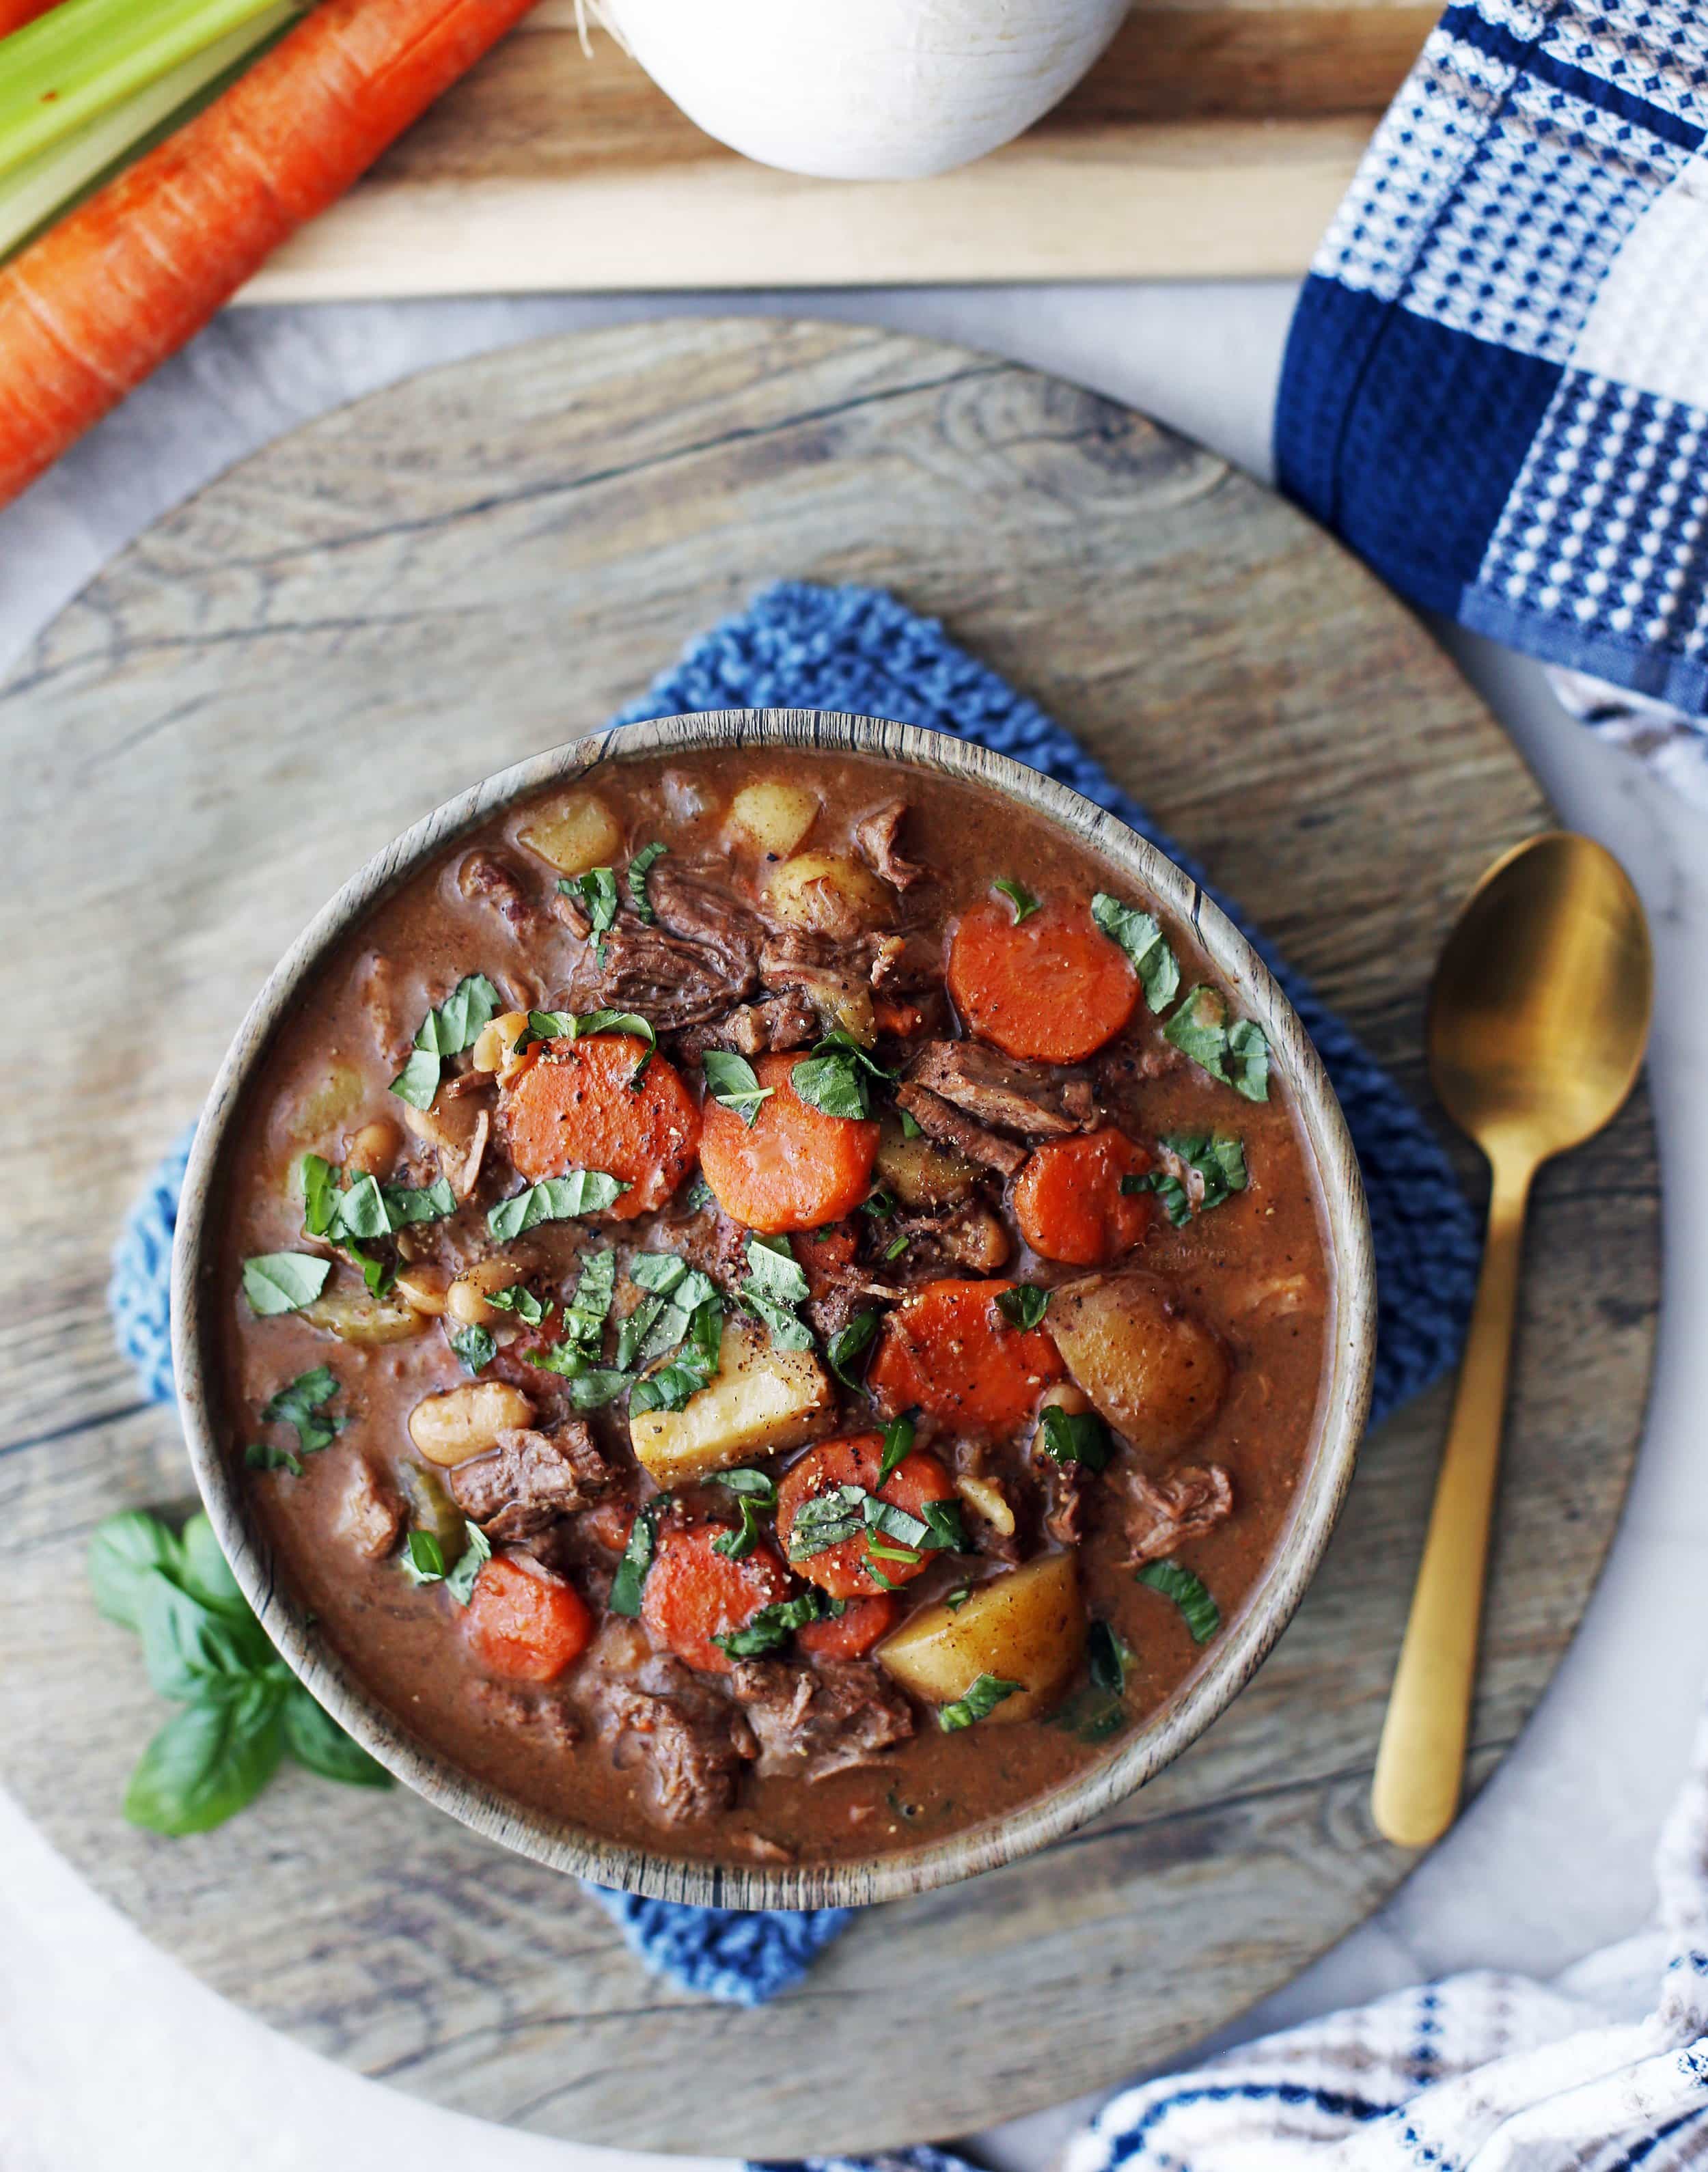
(1164, 1513)
(546, 1716)
(488, 876)
(711, 1242)
(1040, 1100)
(370, 1513)
(697, 903)
(830, 1310)
(835, 1717)
(938, 1121)
(785, 1021)
(1071, 1485)
(674, 984)
(830, 974)
(877, 835)
(905, 965)
(694, 1740)
(965, 1234)
(531, 1479)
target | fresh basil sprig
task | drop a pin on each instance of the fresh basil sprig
(1018, 897)
(1237, 1054)
(734, 1084)
(1201, 1615)
(301, 1405)
(837, 1076)
(447, 1029)
(242, 1708)
(275, 1282)
(1140, 936)
(981, 1701)
(555, 1199)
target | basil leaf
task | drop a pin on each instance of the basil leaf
(910, 1126)
(314, 1738)
(556, 1199)
(260, 1456)
(1140, 936)
(565, 1025)
(671, 1387)
(282, 1281)
(772, 1625)
(593, 1391)
(956, 1599)
(1074, 1437)
(880, 1205)
(418, 1081)
(360, 1211)
(1219, 1161)
(637, 1559)
(519, 1300)
(734, 1084)
(1018, 897)
(460, 1581)
(773, 1268)
(1024, 1306)
(1238, 1056)
(422, 1560)
(657, 1272)
(320, 1182)
(299, 1405)
(635, 1332)
(208, 1761)
(205, 1574)
(475, 1347)
(453, 1025)
(639, 868)
(898, 1445)
(946, 1533)
(404, 1205)
(756, 1485)
(190, 1650)
(1108, 1657)
(123, 1551)
(1176, 1203)
(737, 1544)
(979, 1701)
(826, 1520)
(893, 1251)
(596, 892)
(1202, 1615)
(847, 1343)
(1248, 1057)
(754, 1490)
(891, 1522)
(584, 1316)
(836, 1076)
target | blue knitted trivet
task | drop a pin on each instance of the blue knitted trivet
(859, 650)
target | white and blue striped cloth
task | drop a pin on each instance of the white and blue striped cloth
(1495, 387)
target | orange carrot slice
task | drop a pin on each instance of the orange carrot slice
(850, 1634)
(577, 1106)
(847, 1571)
(526, 1627)
(795, 1168)
(693, 1593)
(1055, 988)
(948, 1350)
(1069, 1202)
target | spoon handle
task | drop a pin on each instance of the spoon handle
(1419, 1766)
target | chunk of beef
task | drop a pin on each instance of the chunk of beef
(813, 1722)
(672, 983)
(1040, 1100)
(1071, 1485)
(785, 1021)
(548, 1718)
(949, 1127)
(829, 974)
(905, 965)
(1162, 1513)
(369, 1515)
(965, 1234)
(488, 877)
(695, 1741)
(531, 1479)
(711, 1242)
(877, 838)
(697, 903)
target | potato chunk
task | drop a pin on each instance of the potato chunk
(1153, 1370)
(762, 1400)
(774, 816)
(829, 895)
(328, 1106)
(1028, 1627)
(573, 833)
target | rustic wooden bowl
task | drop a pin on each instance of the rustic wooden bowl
(1229, 1662)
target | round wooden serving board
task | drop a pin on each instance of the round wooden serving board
(381, 609)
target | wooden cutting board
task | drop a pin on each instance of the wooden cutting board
(1210, 141)
(474, 565)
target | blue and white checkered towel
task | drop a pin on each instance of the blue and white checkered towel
(1495, 387)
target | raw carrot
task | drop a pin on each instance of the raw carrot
(948, 1349)
(577, 1106)
(1069, 1202)
(795, 1168)
(102, 297)
(524, 1626)
(693, 1593)
(850, 1634)
(1054, 987)
(850, 1569)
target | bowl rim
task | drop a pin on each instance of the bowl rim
(1229, 1661)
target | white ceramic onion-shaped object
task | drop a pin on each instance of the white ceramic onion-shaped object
(864, 90)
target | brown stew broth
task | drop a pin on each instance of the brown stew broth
(1254, 1269)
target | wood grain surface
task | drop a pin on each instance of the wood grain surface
(390, 604)
(1211, 140)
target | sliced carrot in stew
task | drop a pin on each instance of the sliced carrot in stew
(794, 1167)
(577, 1106)
(1069, 1202)
(526, 1627)
(823, 1253)
(609, 1523)
(1054, 987)
(693, 1593)
(948, 1349)
(845, 1571)
(851, 1634)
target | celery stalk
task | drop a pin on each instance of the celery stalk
(86, 60)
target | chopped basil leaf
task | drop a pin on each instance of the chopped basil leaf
(423, 1558)
(835, 1077)
(592, 1391)
(519, 1300)
(1237, 1054)
(877, 1551)
(282, 1281)
(584, 1315)
(637, 1559)
(946, 1533)
(660, 1320)
(898, 1445)
(774, 1284)
(979, 1701)
(596, 893)
(734, 1084)
(259, 1456)
(404, 1206)
(556, 1199)
(1074, 1437)
(826, 1520)
(659, 1271)
(320, 1182)
(1018, 897)
(566, 1025)
(895, 1250)
(772, 1625)
(1141, 937)
(910, 1126)
(639, 868)
(891, 1522)
(475, 1347)
(453, 1025)
(1202, 1615)
(1219, 1161)
(737, 1543)
(757, 1484)
(848, 1343)
(754, 1490)
(880, 1205)
(301, 1405)
(699, 1195)
(956, 1599)
(1176, 1204)
(671, 1387)
(360, 1211)
(460, 1581)
(1024, 1306)
(1109, 1658)
(634, 1331)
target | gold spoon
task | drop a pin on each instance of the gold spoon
(1537, 1017)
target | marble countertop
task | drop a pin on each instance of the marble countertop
(1553, 1859)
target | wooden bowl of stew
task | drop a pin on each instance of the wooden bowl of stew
(773, 1308)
